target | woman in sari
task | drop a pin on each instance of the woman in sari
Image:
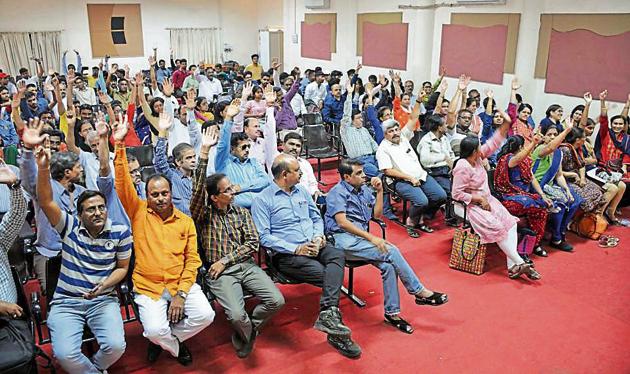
(520, 192)
(488, 217)
(547, 171)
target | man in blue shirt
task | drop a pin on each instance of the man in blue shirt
(333, 105)
(350, 205)
(232, 159)
(290, 224)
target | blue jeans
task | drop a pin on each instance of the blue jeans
(558, 222)
(392, 265)
(428, 196)
(66, 320)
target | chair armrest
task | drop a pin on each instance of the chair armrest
(464, 205)
(36, 307)
(381, 224)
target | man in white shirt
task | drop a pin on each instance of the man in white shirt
(316, 91)
(209, 86)
(397, 159)
(261, 146)
(82, 92)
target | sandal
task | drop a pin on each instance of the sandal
(607, 241)
(533, 274)
(424, 227)
(539, 251)
(411, 232)
(612, 221)
(433, 300)
(516, 271)
(400, 324)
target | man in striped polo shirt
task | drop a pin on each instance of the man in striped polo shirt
(94, 259)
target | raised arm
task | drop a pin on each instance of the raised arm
(15, 106)
(44, 189)
(514, 87)
(160, 158)
(443, 88)
(555, 143)
(124, 184)
(70, 138)
(223, 147)
(588, 98)
(373, 117)
(346, 120)
(396, 83)
(69, 88)
(103, 145)
(61, 109)
(198, 199)
(152, 75)
(525, 151)
(453, 106)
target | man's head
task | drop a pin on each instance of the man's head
(79, 82)
(85, 127)
(183, 64)
(475, 95)
(251, 127)
(24, 73)
(391, 130)
(287, 83)
(409, 87)
(443, 110)
(436, 124)
(158, 189)
(240, 145)
(54, 137)
(336, 90)
(85, 112)
(31, 88)
(265, 78)
(162, 64)
(123, 85)
(220, 191)
(319, 77)
(92, 210)
(464, 119)
(357, 118)
(4, 94)
(372, 79)
(311, 75)
(351, 171)
(185, 157)
(134, 169)
(255, 59)
(292, 144)
(95, 71)
(247, 76)
(92, 139)
(65, 166)
(31, 101)
(286, 170)
(4, 79)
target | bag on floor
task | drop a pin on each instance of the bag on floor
(17, 347)
(527, 242)
(589, 225)
(467, 254)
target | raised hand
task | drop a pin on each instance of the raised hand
(103, 97)
(382, 80)
(165, 122)
(121, 127)
(396, 77)
(190, 99)
(42, 157)
(247, 90)
(48, 87)
(442, 71)
(70, 118)
(151, 60)
(588, 97)
(444, 86)
(515, 84)
(210, 137)
(462, 83)
(368, 88)
(489, 93)
(126, 69)
(55, 82)
(21, 87)
(233, 109)
(359, 66)
(270, 97)
(167, 87)
(140, 79)
(268, 88)
(101, 125)
(349, 88)
(603, 95)
(7, 176)
(275, 64)
(32, 133)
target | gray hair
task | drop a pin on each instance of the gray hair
(60, 162)
(91, 135)
(389, 124)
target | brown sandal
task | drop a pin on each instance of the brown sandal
(516, 271)
(533, 274)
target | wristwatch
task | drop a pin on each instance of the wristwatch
(15, 185)
(182, 294)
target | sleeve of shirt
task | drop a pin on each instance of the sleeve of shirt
(460, 182)
(192, 262)
(346, 120)
(311, 181)
(336, 202)
(249, 236)
(486, 130)
(160, 160)
(14, 219)
(197, 201)
(326, 114)
(375, 123)
(261, 214)
(124, 184)
(223, 147)
(406, 133)
(383, 159)
(269, 132)
(125, 243)
(194, 130)
(28, 170)
(294, 89)
(66, 222)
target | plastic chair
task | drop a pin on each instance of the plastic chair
(143, 153)
(316, 145)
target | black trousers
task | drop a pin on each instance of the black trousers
(325, 271)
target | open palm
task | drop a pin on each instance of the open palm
(7, 176)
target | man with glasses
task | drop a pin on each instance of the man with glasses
(229, 239)
(232, 159)
(290, 225)
(455, 132)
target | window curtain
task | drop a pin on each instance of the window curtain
(197, 44)
(16, 49)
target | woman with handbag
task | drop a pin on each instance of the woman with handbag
(520, 192)
(488, 218)
(547, 171)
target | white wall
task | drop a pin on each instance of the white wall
(425, 30)
(239, 20)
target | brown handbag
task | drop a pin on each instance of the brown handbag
(590, 225)
(467, 253)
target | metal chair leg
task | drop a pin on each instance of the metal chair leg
(349, 292)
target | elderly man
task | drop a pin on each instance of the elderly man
(290, 224)
(172, 308)
(398, 161)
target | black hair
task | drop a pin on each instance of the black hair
(30, 94)
(212, 184)
(247, 72)
(425, 83)
(512, 145)
(613, 118)
(88, 194)
(485, 102)
(154, 177)
(293, 135)
(131, 158)
(265, 74)
(523, 106)
(354, 113)
(199, 100)
(237, 137)
(464, 111)
(545, 129)
(577, 107)
(345, 166)
(575, 134)
(23, 70)
(519, 98)
(351, 72)
(60, 162)
(152, 103)
(552, 108)
(468, 146)
(433, 122)
(382, 110)
(471, 100)
(254, 55)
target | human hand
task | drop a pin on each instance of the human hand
(190, 99)
(270, 98)
(139, 79)
(151, 61)
(548, 201)
(10, 310)
(588, 97)
(71, 119)
(247, 90)
(275, 64)
(209, 138)
(483, 202)
(379, 243)
(42, 157)
(103, 97)
(94, 292)
(489, 93)
(233, 109)
(7, 176)
(382, 80)
(165, 122)
(308, 249)
(32, 133)
(515, 84)
(443, 87)
(359, 66)
(101, 125)
(414, 181)
(320, 241)
(126, 69)
(397, 77)
(603, 95)
(376, 183)
(216, 269)
(167, 87)
(442, 71)
(463, 82)
(176, 309)
(349, 88)
(21, 86)
(121, 127)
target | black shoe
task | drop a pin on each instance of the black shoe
(539, 251)
(400, 324)
(249, 346)
(184, 357)
(563, 246)
(452, 222)
(153, 352)
(526, 258)
(329, 321)
(345, 346)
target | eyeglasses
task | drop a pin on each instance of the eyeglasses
(228, 191)
(134, 171)
(245, 146)
(466, 118)
(92, 209)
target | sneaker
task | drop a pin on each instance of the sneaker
(153, 352)
(345, 346)
(184, 357)
(329, 321)
(563, 246)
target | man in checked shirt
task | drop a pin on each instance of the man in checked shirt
(229, 238)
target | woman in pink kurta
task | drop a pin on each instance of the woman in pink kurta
(487, 216)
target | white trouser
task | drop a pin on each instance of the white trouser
(157, 328)
(509, 245)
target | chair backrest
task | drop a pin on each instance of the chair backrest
(312, 119)
(146, 172)
(315, 137)
(53, 268)
(143, 153)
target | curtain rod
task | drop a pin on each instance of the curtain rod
(193, 28)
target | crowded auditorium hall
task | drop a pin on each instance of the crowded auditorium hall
(314, 186)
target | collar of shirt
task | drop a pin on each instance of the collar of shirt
(214, 209)
(106, 228)
(351, 189)
(276, 189)
(237, 160)
(176, 214)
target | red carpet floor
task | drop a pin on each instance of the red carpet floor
(575, 320)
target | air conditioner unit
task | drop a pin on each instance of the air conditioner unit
(481, 2)
(317, 4)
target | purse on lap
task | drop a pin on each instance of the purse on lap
(467, 253)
